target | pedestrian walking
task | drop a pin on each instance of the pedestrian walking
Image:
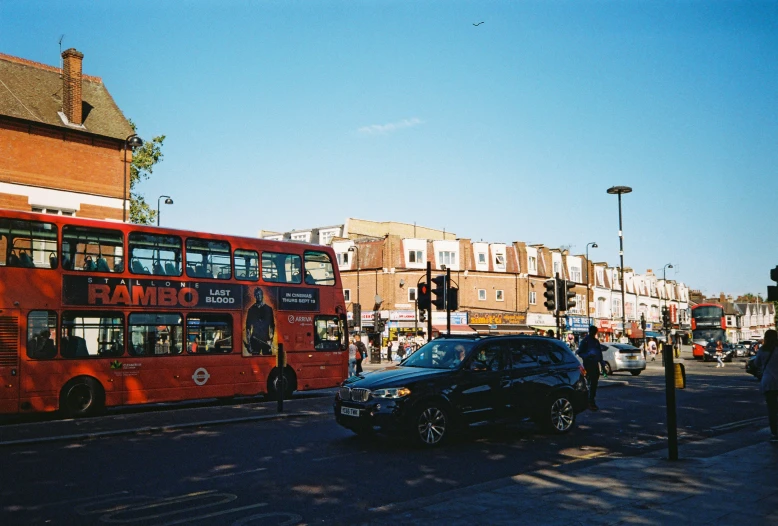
(389, 350)
(361, 354)
(767, 367)
(401, 350)
(352, 357)
(719, 353)
(590, 352)
(652, 349)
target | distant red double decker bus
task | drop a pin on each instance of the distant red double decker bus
(96, 314)
(708, 325)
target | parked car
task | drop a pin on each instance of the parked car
(710, 352)
(741, 349)
(623, 357)
(437, 391)
(751, 367)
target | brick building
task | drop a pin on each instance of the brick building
(62, 141)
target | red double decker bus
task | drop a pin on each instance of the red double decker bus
(95, 314)
(708, 325)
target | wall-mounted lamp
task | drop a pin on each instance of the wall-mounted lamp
(402, 282)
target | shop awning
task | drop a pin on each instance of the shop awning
(455, 329)
(652, 334)
(544, 328)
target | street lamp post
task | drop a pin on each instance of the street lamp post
(133, 141)
(664, 282)
(168, 201)
(588, 286)
(355, 249)
(619, 190)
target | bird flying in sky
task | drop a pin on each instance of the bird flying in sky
(478, 24)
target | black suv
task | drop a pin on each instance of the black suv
(452, 382)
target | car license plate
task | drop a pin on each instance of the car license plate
(632, 357)
(350, 411)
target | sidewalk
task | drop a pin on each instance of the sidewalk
(736, 487)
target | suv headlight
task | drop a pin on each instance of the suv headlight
(392, 392)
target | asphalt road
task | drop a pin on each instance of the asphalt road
(309, 470)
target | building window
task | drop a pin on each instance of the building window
(415, 256)
(342, 258)
(499, 295)
(482, 258)
(557, 267)
(481, 294)
(299, 237)
(412, 294)
(325, 238)
(575, 274)
(446, 258)
(532, 298)
(533, 264)
(347, 295)
(600, 276)
(53, 211)
(616, 308)
(500, 261)
(600, 307)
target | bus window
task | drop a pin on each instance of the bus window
(209, 333)
(327, 333)
(41, 334)
(208, 259)
(155, 254)
(86, 335)
(281, 268)
(92, 249)
(31, 244)
(246, 265)
(155, 334)
(318, 269)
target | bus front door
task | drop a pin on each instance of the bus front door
(9, 360)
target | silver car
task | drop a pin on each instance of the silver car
(623, 357)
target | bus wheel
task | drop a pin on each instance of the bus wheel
(81, 397)
(275, 381)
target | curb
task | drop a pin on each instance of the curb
(159, 429)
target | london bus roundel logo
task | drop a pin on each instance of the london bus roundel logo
(200, 376)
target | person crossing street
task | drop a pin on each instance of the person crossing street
(590, 352)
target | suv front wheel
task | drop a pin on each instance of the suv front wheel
(431, 424)
(559, 415)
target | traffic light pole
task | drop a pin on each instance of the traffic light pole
(672, 423)
(448, 307)
(429, 314)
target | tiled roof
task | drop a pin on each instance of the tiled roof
(33, 92)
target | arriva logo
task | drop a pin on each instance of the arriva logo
(201, 376)
(299, 319)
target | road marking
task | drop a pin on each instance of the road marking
(115, 517)
(739, 423)
(198, 479)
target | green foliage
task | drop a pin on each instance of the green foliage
(143, 161)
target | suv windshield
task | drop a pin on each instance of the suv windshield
(440, 354)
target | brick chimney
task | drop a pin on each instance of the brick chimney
(71, 85)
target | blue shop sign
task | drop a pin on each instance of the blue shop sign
(577, 323)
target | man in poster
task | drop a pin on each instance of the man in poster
(260, 325)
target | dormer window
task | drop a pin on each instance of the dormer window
(446, 258)
(533, 264)
(415, 256)
(342, 258)
(499, 259)
(482, 258)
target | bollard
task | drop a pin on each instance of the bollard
(281, 382)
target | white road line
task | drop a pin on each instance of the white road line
(198, 479)
(223, 498)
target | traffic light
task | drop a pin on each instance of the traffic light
(550, 294)
(439, 291)
(772, 290)
(568, 296)
(379, 324)
(422, 315)
(453, 298)
(423, 296)
(666, 317)
(643, 322)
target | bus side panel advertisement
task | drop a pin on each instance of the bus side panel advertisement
(304, 299)
(122, 292)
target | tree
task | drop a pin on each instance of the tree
(749, 298)
(143, 161)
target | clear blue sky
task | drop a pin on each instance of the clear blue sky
(292, 114)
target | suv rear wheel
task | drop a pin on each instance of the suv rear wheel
(559, 416)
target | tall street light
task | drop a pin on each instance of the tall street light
(664, 281)
(133, 141)
(355, 249)
(618, 190)
(168, 201)
(588, 286)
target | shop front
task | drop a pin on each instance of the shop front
(541, 322)
(499, 322)
(577, 324)
(605, 330)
